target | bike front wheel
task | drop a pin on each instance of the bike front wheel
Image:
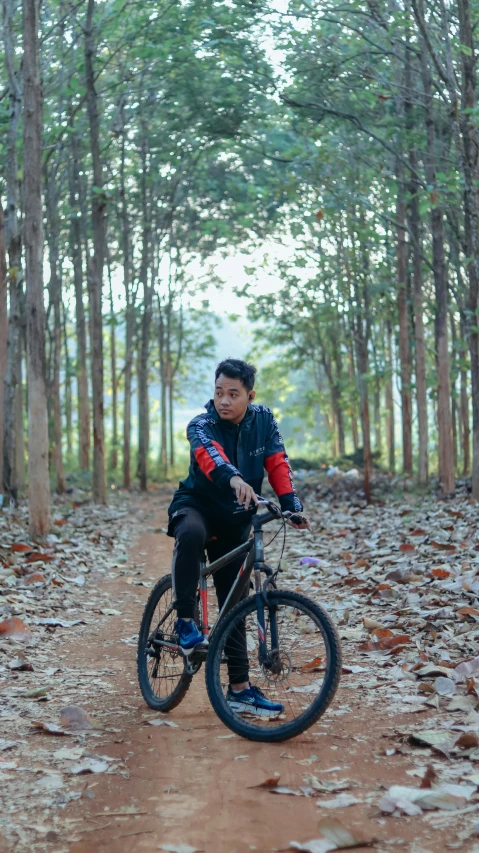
(297, 668)
(162, 675)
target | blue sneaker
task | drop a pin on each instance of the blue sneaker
(253, 701)
(189, 637)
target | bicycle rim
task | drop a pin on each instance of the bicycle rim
(162, 678)
(300, 673)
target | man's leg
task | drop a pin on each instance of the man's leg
(191, 533)
(235, 648)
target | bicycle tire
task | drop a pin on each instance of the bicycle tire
(151, 698)
(318, 706)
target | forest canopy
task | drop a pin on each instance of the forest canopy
(142, 141)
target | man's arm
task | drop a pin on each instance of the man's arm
(209, 454)
(278, 468)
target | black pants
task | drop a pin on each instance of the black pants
(192, 531)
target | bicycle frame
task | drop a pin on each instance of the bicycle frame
(253, 549)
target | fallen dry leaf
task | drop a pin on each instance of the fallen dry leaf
(50, 728)
(14, 629)
(179, 848)
(393, 644)
(35, 577)
(37, 556)
(339, 802)
(440, 740)
(312, 665)
(467, 740)
(381, 633)
(412, 801)
(75, 719)
(429, 777)
(443, 546)
(272, 782)
(444, 686)
(88, 765)
(440, 574)
(371, 624)
(20, 664)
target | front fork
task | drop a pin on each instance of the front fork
(264, 656)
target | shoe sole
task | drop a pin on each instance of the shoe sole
(199, 647)
(254, 711)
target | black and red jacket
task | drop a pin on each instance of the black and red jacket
(221, 450)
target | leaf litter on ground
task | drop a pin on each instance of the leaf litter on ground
(418, 602)
(52, 592)
(333, 836)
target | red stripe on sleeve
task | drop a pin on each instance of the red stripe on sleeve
(279, 473)
(205, 461)
(220, 451)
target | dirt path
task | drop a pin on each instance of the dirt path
(193, 784)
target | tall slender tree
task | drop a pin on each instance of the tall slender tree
(38, 480)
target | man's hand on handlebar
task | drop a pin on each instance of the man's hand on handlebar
(299, 521)
(244, 493)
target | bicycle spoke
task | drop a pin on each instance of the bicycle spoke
(165, 668)
(292, 674)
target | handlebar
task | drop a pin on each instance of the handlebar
(276, 511)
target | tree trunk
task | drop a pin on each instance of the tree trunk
(143, 409)
(390, 425)
(129, 317)
(352, 380)
(171, 418)
(163, 397)
(3, 332)
(362, 356)
(339, 419)
(13, 248)
(19, 426)
(464, 404)
(445, 449)
(68, 385)
(38, 482)
(114, 381)
(77, 263)
(96, 263)
(415, 230)
(470, 166)
(421, 386)
(454, 406)
(164, 429)
(377, 416)
(404, 350)
(55, 303)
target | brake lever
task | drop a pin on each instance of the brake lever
(287, 515)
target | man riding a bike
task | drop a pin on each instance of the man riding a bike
(231, 446)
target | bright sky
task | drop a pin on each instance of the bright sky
(231, 270)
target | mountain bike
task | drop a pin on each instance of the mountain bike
(289, 642)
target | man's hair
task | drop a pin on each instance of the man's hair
(234, 368)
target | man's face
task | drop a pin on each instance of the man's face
(231, 399)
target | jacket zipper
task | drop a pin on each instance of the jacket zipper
(236, 445)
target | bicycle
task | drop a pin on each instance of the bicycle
(291, 643)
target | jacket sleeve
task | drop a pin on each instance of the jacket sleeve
(209, 454)
(278, 468)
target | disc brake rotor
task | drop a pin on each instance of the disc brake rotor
(279, 667)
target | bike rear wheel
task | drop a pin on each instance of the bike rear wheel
(301, 671)
(161, 671)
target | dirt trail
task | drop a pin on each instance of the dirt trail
(193, 784)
